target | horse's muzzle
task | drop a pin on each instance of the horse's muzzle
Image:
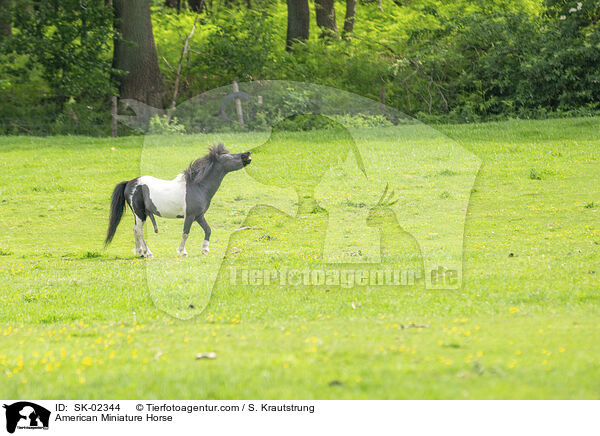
(246, 159)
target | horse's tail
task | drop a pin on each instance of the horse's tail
(117, 207)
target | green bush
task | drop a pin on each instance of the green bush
(507, 63)
(163, 125)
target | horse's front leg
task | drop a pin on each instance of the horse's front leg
(202, 221)
(187, 225)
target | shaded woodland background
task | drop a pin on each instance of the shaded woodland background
(460, 61)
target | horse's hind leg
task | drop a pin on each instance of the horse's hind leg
(137, 251)
(138, 235)
(141, 249)
(145, 250)
(139, 211)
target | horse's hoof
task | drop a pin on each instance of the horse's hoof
(182, 253)
(205, 247)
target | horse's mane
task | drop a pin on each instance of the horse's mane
(200, 167)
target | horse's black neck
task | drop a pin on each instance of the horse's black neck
(212, 180)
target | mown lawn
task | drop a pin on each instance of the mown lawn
(78, 321)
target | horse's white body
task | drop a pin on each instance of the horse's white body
(168, 196)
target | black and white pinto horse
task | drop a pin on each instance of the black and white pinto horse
(187, 196)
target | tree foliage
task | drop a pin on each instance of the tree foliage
(70, 40)
(453, 61)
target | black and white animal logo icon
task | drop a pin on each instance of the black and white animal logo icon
(26, 415)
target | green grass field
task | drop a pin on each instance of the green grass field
(78, 321)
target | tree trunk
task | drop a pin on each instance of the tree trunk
(325, 11)
(5, 19)
(298, 22)
(173, 4)
(350, 16)
(196, 5)
(135, 53)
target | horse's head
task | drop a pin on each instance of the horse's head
(219, 159)
(233, 162)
